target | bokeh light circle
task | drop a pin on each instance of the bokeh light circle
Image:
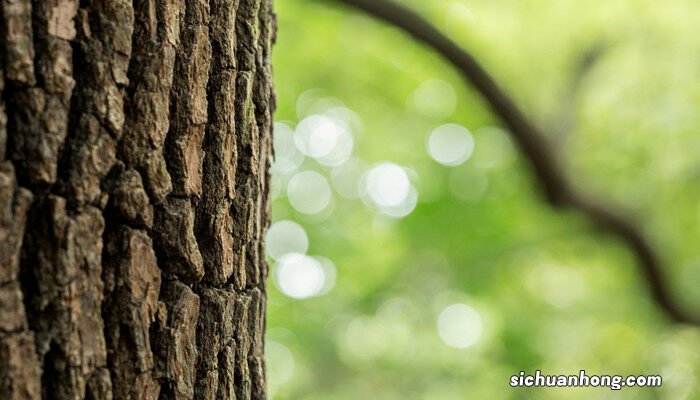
(284, 237)
(309, 192)
(327, 139)
(459, 326)
(299, 276)
(388, 185)
(450, 144)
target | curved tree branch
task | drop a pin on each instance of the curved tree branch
(565, 124)
(559, 191)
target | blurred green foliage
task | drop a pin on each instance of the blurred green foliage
(543, 289)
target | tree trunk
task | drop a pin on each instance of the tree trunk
(135, 140)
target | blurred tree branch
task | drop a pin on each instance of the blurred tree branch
(564, 120)
(559, 191)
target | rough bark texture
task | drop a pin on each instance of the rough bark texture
(135, 138)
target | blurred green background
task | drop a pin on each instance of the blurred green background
(412, 254)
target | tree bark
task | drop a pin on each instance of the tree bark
(135, 140)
